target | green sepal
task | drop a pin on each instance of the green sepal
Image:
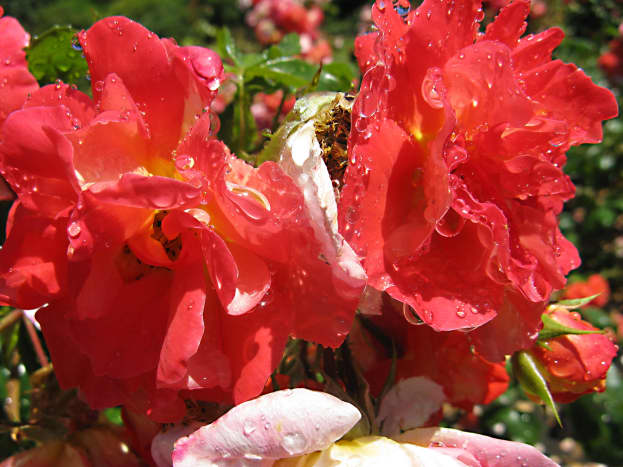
(532, 381)
(576, 302)
(552, 329)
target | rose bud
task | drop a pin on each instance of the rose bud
(572, 363)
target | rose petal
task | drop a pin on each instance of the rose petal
(281, 424)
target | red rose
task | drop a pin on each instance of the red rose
(16, 82)
(456, 181)
(170, 267)
(574, 364)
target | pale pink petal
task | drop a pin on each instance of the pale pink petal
(490, 452)
(277, 425)
(409, 404)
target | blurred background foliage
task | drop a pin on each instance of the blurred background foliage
(592, 426)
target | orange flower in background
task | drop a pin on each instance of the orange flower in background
(595, 284)
(574, 364)
(168, 267)
(455, 181)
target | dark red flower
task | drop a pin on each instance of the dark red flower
(169, 267)
(446, 358)
(574, 364)
(456, 180)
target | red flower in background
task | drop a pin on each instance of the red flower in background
(611, 62)
(265, 107)
(574, 364)
(170, 268)
(456, 180)
(273, 19)
(595, 284)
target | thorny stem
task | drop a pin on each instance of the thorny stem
(36, 343)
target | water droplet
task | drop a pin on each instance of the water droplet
(410, 315)
(213, 84)
(184, 162)
(432, 88)
(75, 44)
(248, 428)
(74, 230)
(252, 203)
(294, 443)
(352, 215)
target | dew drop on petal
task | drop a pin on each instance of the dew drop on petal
(74, 229)
(248, 428)
(184, 162)
(213, 84)
(294, 443)
(432, 88)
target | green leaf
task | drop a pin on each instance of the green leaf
(336, 76)
(598, 317)
(55, 55)
(576, 302)
(226, 47)
(289, 72)
(531, 380)
(521, 427)
(289, 46)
